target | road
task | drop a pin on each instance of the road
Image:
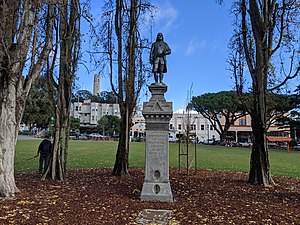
(27, 137)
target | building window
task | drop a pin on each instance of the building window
(171, 126)
(202, 127)
(93, 117)
(179, 126)
(79, 108)
(211, 127)
(243, 121)
(76, 108)
(193, 126)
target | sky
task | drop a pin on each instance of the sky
(198, 32)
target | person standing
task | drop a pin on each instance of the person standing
(159, 50)
(45, 150)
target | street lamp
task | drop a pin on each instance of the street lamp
(208, 133)
(52, 122)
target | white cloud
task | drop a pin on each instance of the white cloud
(195, 44)
(166, 16)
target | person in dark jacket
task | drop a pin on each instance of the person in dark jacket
(45, 150)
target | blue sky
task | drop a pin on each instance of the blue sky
(197, 33)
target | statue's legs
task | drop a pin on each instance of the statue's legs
(156, 78)
(161, 77)
(161, 69)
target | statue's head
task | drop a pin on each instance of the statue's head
(159, 37)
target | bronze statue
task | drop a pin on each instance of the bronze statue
(158, 53)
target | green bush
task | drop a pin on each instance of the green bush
(25, 132)
(83, 138)
(293, 143)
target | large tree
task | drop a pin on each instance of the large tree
(108, 97)
(109, 124)
(296, 101)
(215, 106)
(68, 34)
(25, 42)
(81, 95)
(266, 32)
(123, 42)
(38, 109)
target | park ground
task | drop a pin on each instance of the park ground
(93, 196)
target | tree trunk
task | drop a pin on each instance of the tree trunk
(58, 162)
(259, 162)
(225, 130)
(17, 26)
(68, 57)
(223, 137)
(121, 162)
(8, 137)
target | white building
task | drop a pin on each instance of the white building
(199, 126)
(139, 124)
(90, 112)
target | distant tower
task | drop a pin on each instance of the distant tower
(96, 90)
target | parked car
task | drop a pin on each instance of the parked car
(297, 147)
(272, 145)
(230, 144)
(208, 141)
(244, 144)
(283, 145)
(95, 135)
(173, 139)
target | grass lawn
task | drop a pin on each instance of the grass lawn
(95, 154)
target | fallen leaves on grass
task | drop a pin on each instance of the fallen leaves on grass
(93, 196)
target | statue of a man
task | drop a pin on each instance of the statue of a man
(158, 53)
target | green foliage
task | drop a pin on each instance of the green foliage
(224, 101)
(107, 97)
(39, 108)
(293, 143)
(74, 123)
(81, 95)
(25, 133)
(100, 154)
(109, 124)
(212, 105)
(280, 104)
(295, 98)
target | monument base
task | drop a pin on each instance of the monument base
(157, 192)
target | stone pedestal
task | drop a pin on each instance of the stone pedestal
(157, 113)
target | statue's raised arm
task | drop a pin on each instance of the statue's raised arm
(158, 60)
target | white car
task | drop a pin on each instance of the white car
(297, 147)
(208, 141)
(173, 139)
(244, 144)
(95, 135)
